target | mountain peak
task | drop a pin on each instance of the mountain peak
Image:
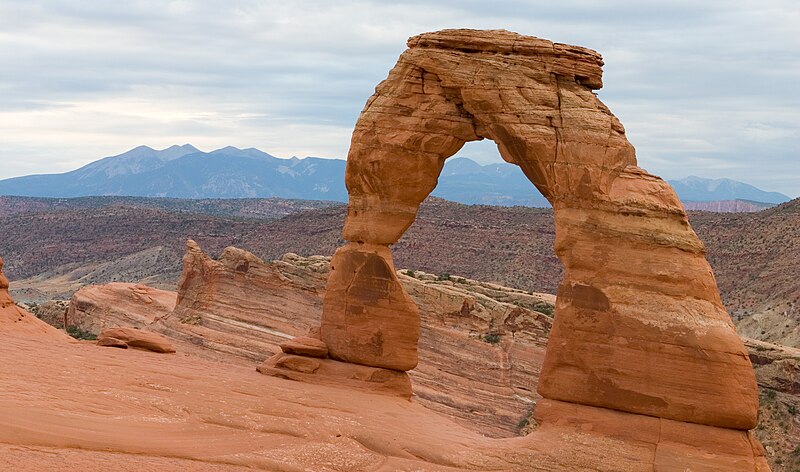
(694, 188)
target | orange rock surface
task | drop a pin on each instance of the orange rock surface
(89, 408)
(96, 307)
(367, 317)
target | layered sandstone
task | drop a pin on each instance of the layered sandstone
(135, 338)
(97, 307)
(224, 315)
(488, 388)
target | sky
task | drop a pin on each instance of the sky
(707, 88)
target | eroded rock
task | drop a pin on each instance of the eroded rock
(115, 337)
(14, 319)
(640, 326)
(305, 346)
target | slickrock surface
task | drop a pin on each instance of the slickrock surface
(14, 319)
(137, 410)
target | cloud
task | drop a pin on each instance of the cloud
(704, 88)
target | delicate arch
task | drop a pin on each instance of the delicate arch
(639, 324)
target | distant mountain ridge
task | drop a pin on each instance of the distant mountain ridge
(186, 172)
(699, 189)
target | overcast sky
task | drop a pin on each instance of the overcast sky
(708, 88)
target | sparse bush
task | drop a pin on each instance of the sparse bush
(770, 394)
(444, 276)
(411, 274)
(492, 338)
(792, 410)
(78, 333)
(544, 307)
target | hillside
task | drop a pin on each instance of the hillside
(261, 208)
(727, 206)
(754, 255)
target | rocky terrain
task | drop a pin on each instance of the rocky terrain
(727, 206)
(57, 250)
(481, 345)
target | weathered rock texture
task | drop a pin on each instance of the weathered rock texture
(14, 319)
(231, 315)
(137, 338)
(97, 307)
(239, 304)
(488, 387)
(640, 326)
(140, 411)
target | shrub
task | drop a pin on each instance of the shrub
(411, 273)
(492, 338)
(444, 276)
(792, 411)
(78, 333)
(544, 307)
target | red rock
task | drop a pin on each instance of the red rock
(305, 346)
(367, 317)
(96, 307)
(640, 326)
(135, 338)
(335, 373)
(14, 319)
(112, 342)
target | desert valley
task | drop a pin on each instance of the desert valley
(610, 321)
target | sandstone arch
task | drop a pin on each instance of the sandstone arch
(639, 323)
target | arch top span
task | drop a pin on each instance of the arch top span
(583, 64)
(639, 323)
(531, 96)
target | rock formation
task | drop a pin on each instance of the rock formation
(97, 307)
(481, 345)
(486, 386)
(136, 338)
(640, 326)
(14, 319)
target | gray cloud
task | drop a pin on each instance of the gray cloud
(704, 88)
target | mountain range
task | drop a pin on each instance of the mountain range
(186, 172)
